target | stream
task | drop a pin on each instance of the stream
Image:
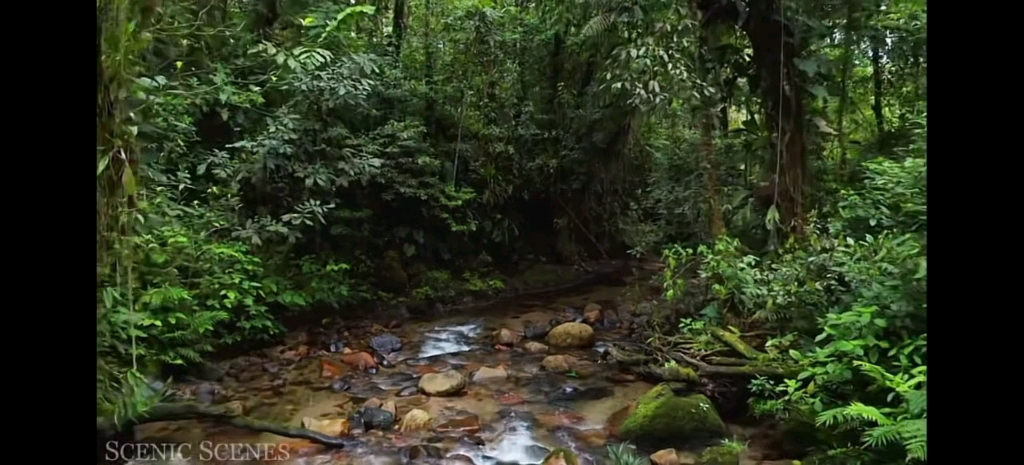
(512, 410)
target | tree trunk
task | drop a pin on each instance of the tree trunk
(716, 222)
(398, 28)
(429, 75)
(876, 78)
(774, 45)
(844, 78)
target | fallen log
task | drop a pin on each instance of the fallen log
(737, 344)
(191, 411)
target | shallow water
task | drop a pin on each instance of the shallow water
(520, 417)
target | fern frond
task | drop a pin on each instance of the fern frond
(856, 411)
(598, 25)
(917, 403)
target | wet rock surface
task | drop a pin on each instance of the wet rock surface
(508, 385)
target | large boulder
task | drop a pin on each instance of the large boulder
(663, 419)
(571, 335)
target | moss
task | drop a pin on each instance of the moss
(725, 454)
(565, 455)
(663, 419)
(679, 373)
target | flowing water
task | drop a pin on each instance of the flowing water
(515, 419)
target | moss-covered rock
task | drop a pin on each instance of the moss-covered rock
(560, 456)
(663, 419)
(723, 454)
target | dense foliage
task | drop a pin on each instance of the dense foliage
(260, 158)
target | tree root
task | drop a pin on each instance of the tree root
(692, 369)
(737, 344)
(769, 371)
(193, 411)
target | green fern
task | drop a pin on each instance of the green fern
(598, 25)
(624, 454)
(881, 430)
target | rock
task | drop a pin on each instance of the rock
(271, 368)
(560, 456)
(335, 428)
(511, 398)
(506, 337)
(468, 425)
(571, 335)
(490, 374)
(330, 369)
(373, 402)
(408, 391)
(558, 363)
(689, 458)
(571, 392)
(206, 372)
(359, 361)
(592, 314)
(619, 377)
(375, 418)
(390, 407)
(458, 459)
(381, 360)
(339, 385)
(616, 419)
(470, 440)
(412, 401)
(386, 343)
(723, 454)
(205, 393)
(536, 331)
(416, 419)
(662, 418)
(237, 407)
(442, 384)
(536, 452)
(535, 347)
(593, 437)
(665, 457)
(420, 452)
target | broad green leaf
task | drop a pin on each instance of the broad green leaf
(104, 162)
(128, 181)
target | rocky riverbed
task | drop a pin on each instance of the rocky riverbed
(508, 385)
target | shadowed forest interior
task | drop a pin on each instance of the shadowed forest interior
(513, 232)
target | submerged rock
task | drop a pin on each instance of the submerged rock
(335, 428)
(663, 419)
(416, 419)
(360, 361)
(420, 452)
(506, 337)
(485, 374)
(537, 331)
(571, 335)
(386, 343)
(558, 363)
(535, 347)
(339, 385)
(371, 418)
(592, 314)
(442, 384)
